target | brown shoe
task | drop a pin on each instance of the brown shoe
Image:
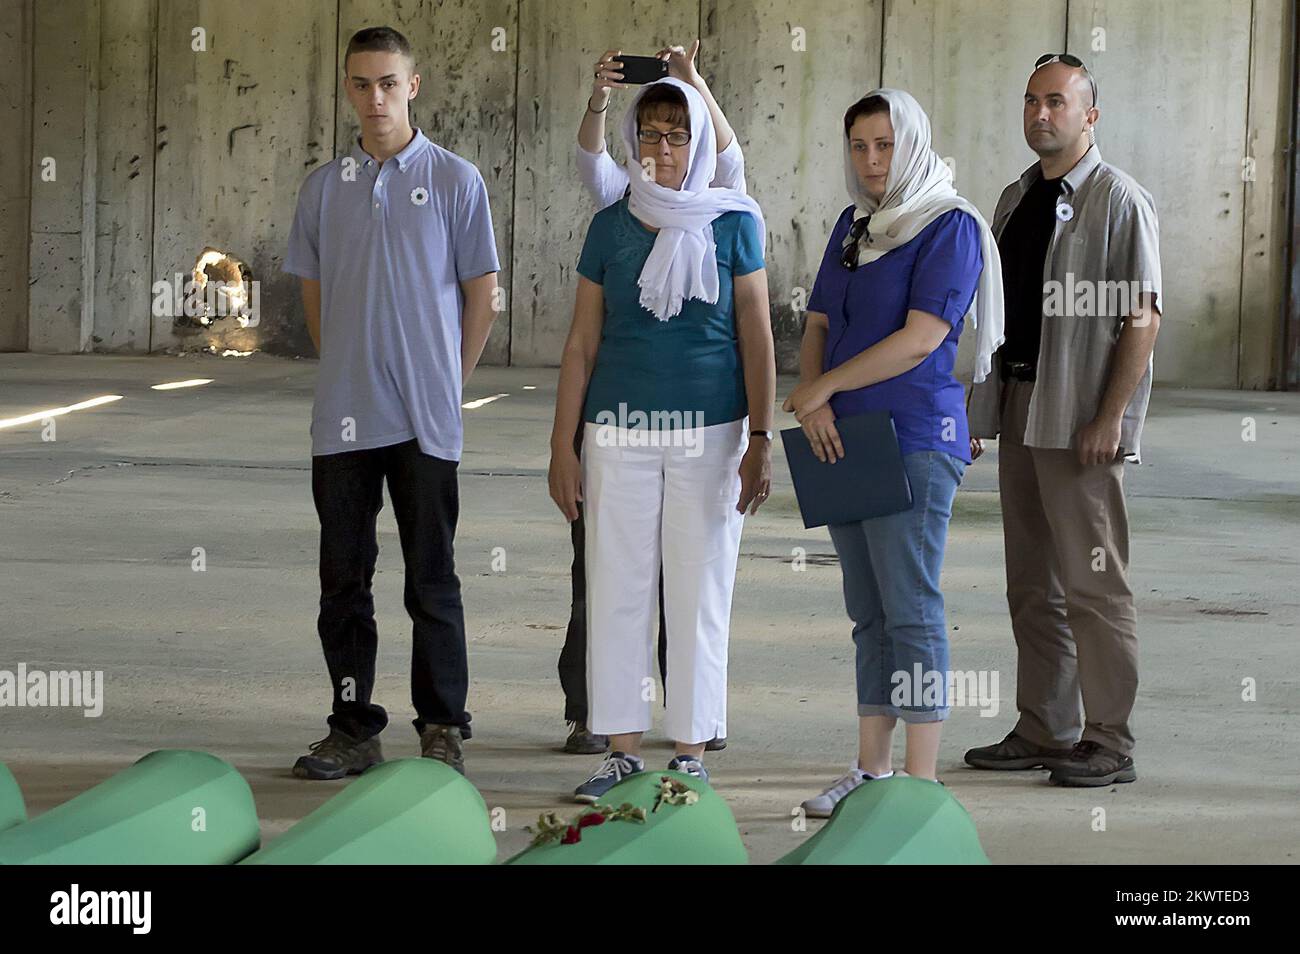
(444, 743)
(582, 741)
(1092, 764)
(338, 755)
(1015, 753)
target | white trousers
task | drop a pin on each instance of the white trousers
(647, 507)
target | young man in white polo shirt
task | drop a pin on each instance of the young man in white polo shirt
(393, 243)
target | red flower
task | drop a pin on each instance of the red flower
(571, 836)
(594, 818)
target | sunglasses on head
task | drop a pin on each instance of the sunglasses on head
(1072, 61)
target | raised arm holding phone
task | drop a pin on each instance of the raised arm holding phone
(604, 178)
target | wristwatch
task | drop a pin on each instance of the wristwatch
(767, 434)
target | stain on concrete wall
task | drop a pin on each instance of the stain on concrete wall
(238, 125)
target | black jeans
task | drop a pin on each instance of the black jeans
(349, 492)
(573, 657)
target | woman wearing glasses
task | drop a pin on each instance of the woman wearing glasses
(898, 281)
(606, 182)
(669, 353)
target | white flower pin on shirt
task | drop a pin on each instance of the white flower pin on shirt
(419, 195)
(1064, 211)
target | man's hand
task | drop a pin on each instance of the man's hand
(808, 397)
(976, 449)
(819, 427)
(1098, 441)
(681, 63)
(755, 475)
(565, 480)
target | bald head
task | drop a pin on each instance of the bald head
(1060, 110)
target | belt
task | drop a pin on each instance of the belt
(1019, 370)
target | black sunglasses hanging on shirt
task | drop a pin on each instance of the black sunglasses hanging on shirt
(849, 257)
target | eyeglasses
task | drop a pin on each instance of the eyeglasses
(652, 137)
(849, 258)
(1072, 61)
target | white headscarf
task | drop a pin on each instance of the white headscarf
(683, 263)
(918, 190)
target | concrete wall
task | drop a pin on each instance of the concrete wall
(16, 23)
(65, 118)
(163, 149)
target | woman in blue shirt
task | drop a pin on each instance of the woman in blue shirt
(669, 352)
(895, 288)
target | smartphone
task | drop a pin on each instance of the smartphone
(642, 69)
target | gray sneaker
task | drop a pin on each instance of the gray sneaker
(444, 743)
(616, 767)
(689, 765)
(823, 805)
(338, 755)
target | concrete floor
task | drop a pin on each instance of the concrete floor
(97, 530)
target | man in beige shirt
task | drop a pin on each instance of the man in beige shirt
(1067, 396)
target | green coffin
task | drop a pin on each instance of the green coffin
(894, 821)
(173, 807)
(403, 812)
(700, 834)
(12, 810)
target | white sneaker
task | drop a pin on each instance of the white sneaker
(821, 806)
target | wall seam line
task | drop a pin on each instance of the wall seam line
(1245, 190)
(514, 190)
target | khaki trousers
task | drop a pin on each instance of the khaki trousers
(1065, 529)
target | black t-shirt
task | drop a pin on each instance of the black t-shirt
(1023, 249)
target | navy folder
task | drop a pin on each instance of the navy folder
(868, 481)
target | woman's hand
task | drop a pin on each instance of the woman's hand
(565, 480)
(607, 77)
(808, 397)
(819, 427)
(681, 63)
(755, 475)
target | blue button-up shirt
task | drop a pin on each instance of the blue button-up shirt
(390, 244)
(937, 272)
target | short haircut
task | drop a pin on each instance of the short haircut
(1092, 83)
(665, 103)
(1083, 69)
(866, 106)
(378, 40)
